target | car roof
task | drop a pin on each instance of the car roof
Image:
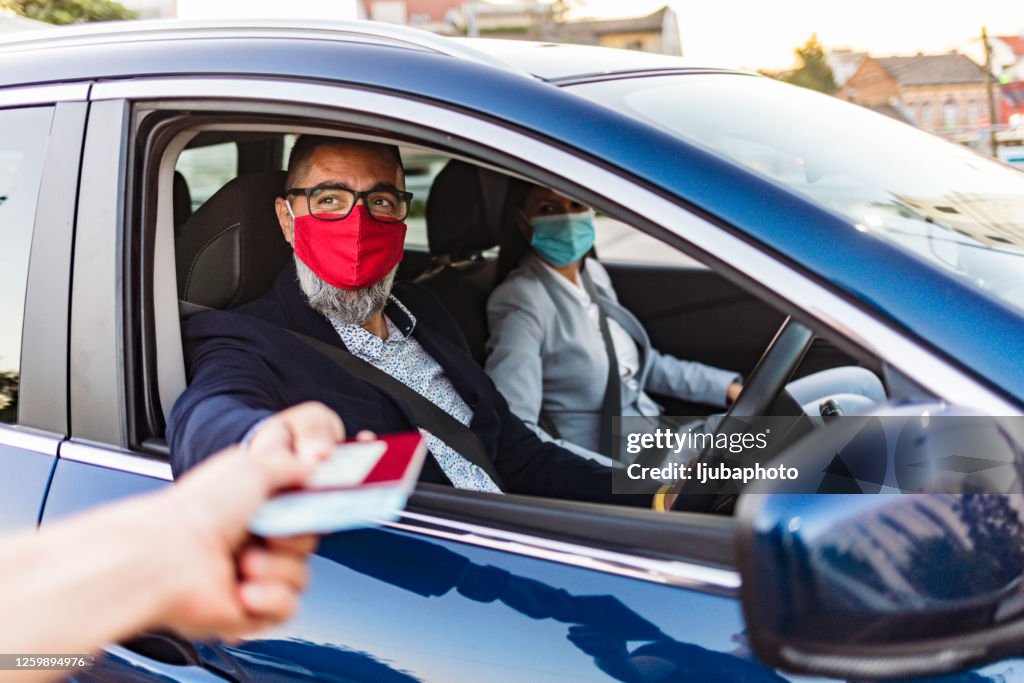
(543, 60)
(563, 62)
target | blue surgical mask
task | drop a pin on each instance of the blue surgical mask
(564, 238)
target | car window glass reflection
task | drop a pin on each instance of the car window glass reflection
(953, 207)
(23, 137)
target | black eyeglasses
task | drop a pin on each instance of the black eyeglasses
(334, 202)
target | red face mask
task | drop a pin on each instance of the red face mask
(352, 253)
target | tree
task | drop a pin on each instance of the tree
(561, 8)
(813, 71)
(69, 11)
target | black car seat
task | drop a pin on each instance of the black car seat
(182, 202)
(231, 249)
(463, 212)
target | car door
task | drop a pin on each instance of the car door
(40, 137)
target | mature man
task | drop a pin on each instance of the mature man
(343, 211)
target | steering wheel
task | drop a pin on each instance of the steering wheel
(764, 386)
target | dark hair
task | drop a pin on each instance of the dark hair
(513, 245)
(305, 145)
(511, 242)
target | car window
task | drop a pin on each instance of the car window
(622, 243)
(735, 325)
(23, 138)
(207, 169)
(954, 208)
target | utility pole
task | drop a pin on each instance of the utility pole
(993, 114)
(471, 30)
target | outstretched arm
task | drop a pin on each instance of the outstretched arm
(181, 558)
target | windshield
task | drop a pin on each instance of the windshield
(939, 200)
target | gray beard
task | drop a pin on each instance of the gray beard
(344, 306)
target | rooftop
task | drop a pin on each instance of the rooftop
(651, 22)
(434, 10)
(1015, 43)
(933, 69)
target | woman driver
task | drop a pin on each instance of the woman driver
(547, 353)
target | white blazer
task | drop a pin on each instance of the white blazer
(546, 353)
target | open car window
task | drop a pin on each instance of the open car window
(698, 315)
(23, 139)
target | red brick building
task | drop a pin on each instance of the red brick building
(944, 94)
(1008, 59)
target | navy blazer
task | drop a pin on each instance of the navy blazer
(242, 366)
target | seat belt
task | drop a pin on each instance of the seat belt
(547, 423)
(612, 405)
(187, 309)
(426, 414)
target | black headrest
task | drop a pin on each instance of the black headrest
(463, 204)
(182, 200)
(231, 249)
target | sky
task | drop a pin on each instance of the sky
(748, 33)
(263, 9)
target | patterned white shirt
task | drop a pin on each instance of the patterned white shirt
(402, 357)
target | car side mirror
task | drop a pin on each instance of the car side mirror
(889, 583)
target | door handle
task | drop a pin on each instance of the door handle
(167, 654)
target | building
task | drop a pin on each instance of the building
(451, 17)
(657, 32)
(1008, 58)
(531, 20)
(944, 94)
(439, 16)
(844, 62)
(1012, 95)
(1008, 68)
(995, 220)
(495, 19)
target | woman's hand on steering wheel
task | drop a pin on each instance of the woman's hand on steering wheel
(764, 385)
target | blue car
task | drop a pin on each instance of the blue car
(747, 223)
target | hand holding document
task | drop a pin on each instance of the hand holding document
(362, 483)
